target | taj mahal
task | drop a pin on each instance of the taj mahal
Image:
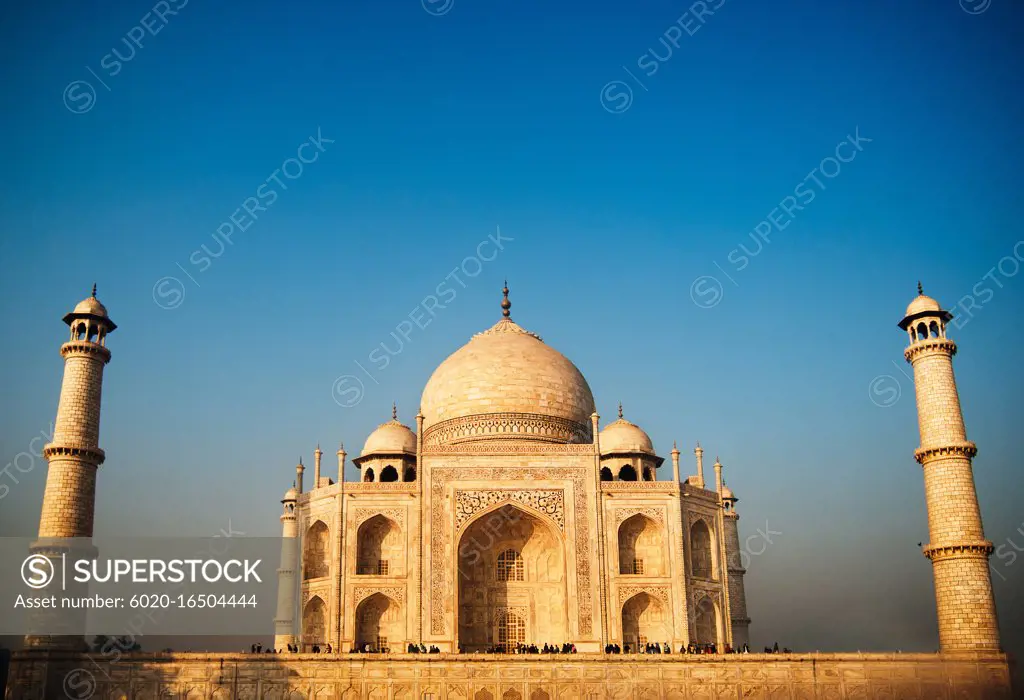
(507, 514)
(510, 516)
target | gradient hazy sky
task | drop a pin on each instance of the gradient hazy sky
(436, 129)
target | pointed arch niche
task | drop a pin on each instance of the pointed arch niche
(510, 567)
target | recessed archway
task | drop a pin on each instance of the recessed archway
(388, 474)
(379, 624)
(511, 580)
(627, 473)
(706, 622)
(379, 548)
(701, 556)
(641, 547)
(315, 562)
(314, 623)
(644, 621)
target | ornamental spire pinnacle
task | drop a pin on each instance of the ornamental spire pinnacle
(394, 411)
(620, 409)
(920, 289)
(93, 290)
(506, 305)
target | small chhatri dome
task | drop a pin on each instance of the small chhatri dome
(90, 308)
(727, 494)
(923, 305)
(391, 438)
(290, 495)
(623, 436)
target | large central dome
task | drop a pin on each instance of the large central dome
(506, 383)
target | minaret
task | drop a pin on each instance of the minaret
(284, 621)
(675, 462)
(341, 462)
(74, 456)
(299, 469)
(718, 476)
(734, 560)
(957, 549)
(699, 451)
(317, 454)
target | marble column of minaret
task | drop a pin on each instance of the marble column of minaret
(957, 548)
(675, 462)
(74, 456)
(299, 469)
(287, 574)
(734, 565)
(317, 454)
(699, 451)
(341, 463)
(718, 476)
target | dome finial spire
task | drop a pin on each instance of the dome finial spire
(93, 290)
(394, 411)
(505, 303)
(620, 409)
(920, 289)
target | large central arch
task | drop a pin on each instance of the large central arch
(510, 581)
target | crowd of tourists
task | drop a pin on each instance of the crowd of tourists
(691, 648)
(567, 648)
(422, 649)
(292, 649)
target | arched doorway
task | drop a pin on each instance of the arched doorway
(379, 624)
(314, 623)
(644, 621)
(315, 562)
(511, 581)
(706, 622)
(701, 556)
(379, 548)
(641, 547)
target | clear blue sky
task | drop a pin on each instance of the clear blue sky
(446, 126)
